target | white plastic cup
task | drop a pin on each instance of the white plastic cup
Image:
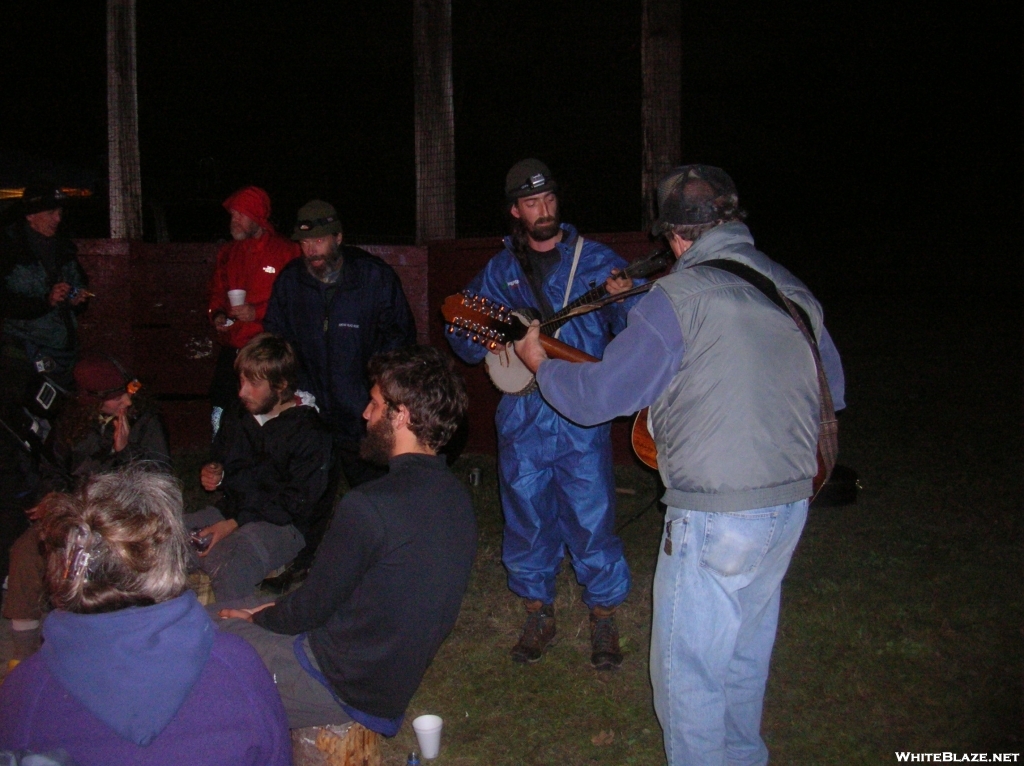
(428, 734)
(236, 297)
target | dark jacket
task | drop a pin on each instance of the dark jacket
(25, 284)
(71, 465)
(275, 472)
(387, 584)
(335, 329)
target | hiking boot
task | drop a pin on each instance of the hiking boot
(605, 653)
(538, 632)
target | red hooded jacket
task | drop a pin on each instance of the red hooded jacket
(250, 264)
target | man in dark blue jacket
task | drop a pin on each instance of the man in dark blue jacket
(338, 306)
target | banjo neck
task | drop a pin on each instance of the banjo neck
(651, 264)
(493, 325)
(558, 350)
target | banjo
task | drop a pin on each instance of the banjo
(495, 327)
(506, 370)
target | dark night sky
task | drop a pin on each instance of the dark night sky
(887, 136)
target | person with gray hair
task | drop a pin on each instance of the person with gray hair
(733, 382)
(132, 669)
(108, 424)
(338, 305)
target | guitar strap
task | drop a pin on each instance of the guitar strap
(828, 434)
(572, 276)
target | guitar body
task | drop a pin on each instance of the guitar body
(820, 477)
(643, 442)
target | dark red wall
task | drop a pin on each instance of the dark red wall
(150, 312)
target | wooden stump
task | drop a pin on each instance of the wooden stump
(200, 583)
(349, 744)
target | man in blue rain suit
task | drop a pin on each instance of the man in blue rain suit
(556, 478)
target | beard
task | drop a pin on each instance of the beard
(320, 266)
(261, 407)
(243, 231)
(544, 229)
(379, 442)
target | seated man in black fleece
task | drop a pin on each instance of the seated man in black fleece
(353, 642)
(271, 459)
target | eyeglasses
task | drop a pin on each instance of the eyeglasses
(307, 225)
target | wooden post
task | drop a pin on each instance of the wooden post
(660, 109)
(123, 122)
(434, 120)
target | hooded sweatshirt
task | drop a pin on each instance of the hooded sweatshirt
(156, 684)
(250, 264)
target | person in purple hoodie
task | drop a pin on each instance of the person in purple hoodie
(132, 669)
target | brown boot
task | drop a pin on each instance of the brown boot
(605, 653)
(538, 632)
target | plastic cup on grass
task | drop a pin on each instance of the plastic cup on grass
(428, 734)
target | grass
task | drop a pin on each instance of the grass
(901, 617)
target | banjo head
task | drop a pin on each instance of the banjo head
(507, 371)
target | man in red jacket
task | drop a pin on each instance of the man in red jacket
(249, 263)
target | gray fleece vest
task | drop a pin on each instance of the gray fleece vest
(737, 428)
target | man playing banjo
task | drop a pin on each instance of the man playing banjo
(556, 479)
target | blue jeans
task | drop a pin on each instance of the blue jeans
(716, 608)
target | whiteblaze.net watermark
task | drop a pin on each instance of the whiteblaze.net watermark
(906, 757)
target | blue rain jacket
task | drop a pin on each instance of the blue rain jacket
(556, 478)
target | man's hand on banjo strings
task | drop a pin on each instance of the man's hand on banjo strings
(618, 282)
(529, 349)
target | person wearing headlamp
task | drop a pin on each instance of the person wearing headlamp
(106, 426)
(556, 478)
